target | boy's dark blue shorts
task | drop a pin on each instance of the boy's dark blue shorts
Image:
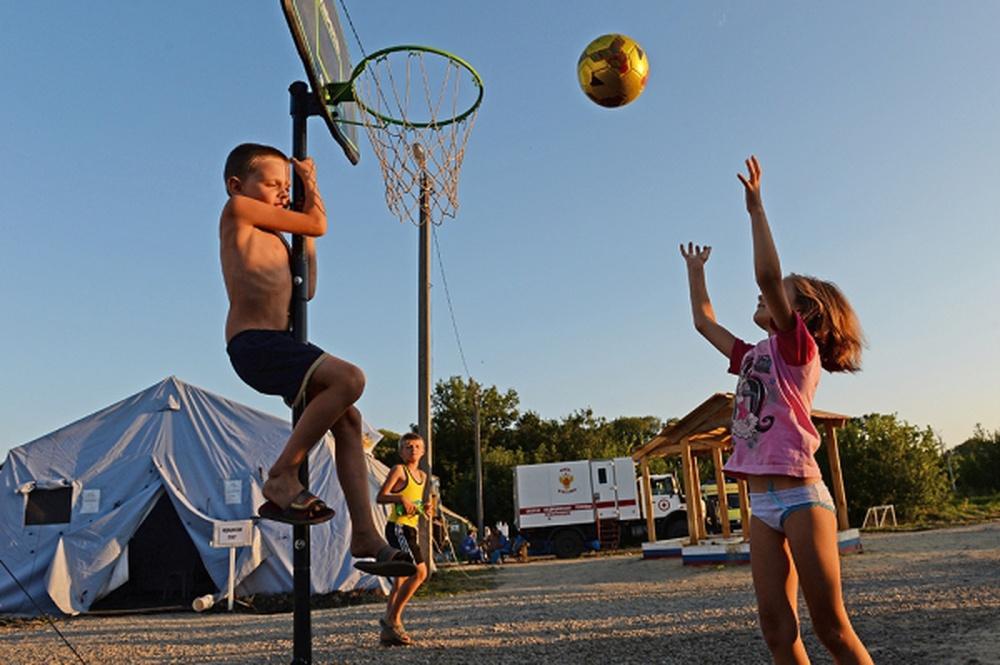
(272, 362)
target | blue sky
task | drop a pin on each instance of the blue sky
(877, 125)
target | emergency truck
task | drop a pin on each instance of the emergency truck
(564, 508)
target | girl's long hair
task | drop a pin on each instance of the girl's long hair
(831, 320)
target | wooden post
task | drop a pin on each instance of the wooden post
(647, 501)
(741, 485)
(699, 511)
(720, 485)
(836, 477)
(689, 497)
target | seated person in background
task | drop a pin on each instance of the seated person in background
(469, 549)
(486, 542)
(519, 548)
(497, 546)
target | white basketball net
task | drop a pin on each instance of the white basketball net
(421, 153)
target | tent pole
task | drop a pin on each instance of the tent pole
(232, 576)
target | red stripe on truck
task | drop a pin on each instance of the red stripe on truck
(611, 504)
(557, 509)
(564, 508)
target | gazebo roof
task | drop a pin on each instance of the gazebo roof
(707, 427)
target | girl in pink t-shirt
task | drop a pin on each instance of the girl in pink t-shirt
(793, 531)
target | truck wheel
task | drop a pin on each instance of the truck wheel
(567, 544)
(677, 528)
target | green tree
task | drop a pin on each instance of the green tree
(578, 436)
(454, 405)
(630, 432)
(386, 450)
(662, 464)
(888, 461)
(977, 463)
(529, 436)
(498, 483)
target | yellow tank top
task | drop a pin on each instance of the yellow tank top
(414, 493)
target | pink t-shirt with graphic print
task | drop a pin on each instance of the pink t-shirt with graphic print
(773, 433)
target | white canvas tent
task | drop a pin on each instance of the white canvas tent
(74, 503)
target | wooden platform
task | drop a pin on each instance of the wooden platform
(715, 551)
(726, 551)
(663, 549)
(849, 541)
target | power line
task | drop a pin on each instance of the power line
(39, 609)
(437, 246)
(451, 309)
(353, 31)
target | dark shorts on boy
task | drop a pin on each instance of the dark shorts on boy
(404, 539)
(274, 363)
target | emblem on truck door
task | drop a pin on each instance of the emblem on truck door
(566, 480)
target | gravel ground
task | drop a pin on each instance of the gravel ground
(923, 597)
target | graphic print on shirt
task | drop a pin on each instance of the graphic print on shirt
(751, 394)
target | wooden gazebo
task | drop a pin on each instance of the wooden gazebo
(705, 431)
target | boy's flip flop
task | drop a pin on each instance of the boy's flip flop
(389, 562)
(305, 509)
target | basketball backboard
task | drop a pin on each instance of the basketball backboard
(321, 45)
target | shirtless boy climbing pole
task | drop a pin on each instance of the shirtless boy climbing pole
(257, 271)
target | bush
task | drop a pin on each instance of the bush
(957, 511)
(977, 463)
(888, 461)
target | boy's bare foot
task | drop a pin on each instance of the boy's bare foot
(388, 561)
(303, 507)
(366, 545)
(282, 489)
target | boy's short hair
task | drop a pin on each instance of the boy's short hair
(409, 436)
(243, 157)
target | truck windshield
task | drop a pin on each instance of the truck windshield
(662, 486)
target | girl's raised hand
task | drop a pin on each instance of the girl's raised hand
(695, 255)
(751, 184)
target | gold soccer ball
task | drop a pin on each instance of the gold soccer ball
(612, 70)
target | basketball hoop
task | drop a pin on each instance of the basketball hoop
(418, 105)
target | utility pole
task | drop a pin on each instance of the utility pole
(425, 537)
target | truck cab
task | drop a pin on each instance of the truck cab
(714, 513)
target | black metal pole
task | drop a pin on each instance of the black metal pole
(301, 580)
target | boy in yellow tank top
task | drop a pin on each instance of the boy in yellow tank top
(403, 489)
